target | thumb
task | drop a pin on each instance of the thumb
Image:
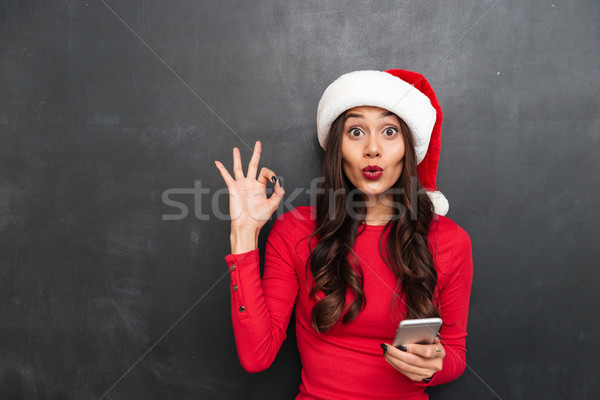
(277, 195)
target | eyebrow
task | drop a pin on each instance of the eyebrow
(353, 115)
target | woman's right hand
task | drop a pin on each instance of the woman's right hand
(249, 207)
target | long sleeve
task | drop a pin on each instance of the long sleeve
(261, 308)
(457, 277)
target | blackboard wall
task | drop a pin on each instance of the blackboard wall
(112, 278)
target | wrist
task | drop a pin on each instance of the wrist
(243, 241)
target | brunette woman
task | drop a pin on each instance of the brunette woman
(374, 250)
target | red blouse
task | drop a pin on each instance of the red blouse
(346, 362)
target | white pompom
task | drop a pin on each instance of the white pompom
(440, 203)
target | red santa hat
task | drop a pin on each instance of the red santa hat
(408, 95)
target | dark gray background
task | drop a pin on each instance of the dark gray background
(106, 105)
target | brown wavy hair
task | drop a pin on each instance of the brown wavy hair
(334, 266)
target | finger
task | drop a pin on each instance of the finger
(403, 356)
(266, 176)
(224, 173)
(237, 164)
(413, 359)
(414, 372)
(427, 351)
(253, 165)
(277, 195)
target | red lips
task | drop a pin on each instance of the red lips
(372, 172)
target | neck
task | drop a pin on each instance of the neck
(379, 212)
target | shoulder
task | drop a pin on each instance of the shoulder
(448, 241)
(291, 228)
(300, 219)
(303, 214)
(448, 230)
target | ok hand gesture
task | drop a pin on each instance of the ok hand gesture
(249, 207)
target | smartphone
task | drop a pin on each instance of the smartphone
(420, 331)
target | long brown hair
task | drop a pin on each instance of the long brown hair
(334, 267)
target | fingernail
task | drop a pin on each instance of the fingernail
(403, 348)
(273, 179)
(384, 347)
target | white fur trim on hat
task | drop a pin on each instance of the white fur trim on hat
(379, 89)
(440, 203)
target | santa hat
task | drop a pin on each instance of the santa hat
(408, 95)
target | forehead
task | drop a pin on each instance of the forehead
(368, 112)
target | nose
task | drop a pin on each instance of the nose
(372, 147)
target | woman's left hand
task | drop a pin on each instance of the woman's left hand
(419, 361)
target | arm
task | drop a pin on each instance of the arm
(422, 361)
(261, 309)
(454, 309)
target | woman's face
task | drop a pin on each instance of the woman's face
(372, 149)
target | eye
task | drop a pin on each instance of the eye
(390, 131)
(355, 132)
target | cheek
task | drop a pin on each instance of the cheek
(348, 156)
(350, 167)
(398, 153)
(347, 168)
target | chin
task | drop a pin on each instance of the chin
(372, 191)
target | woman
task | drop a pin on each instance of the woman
(376, 249)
